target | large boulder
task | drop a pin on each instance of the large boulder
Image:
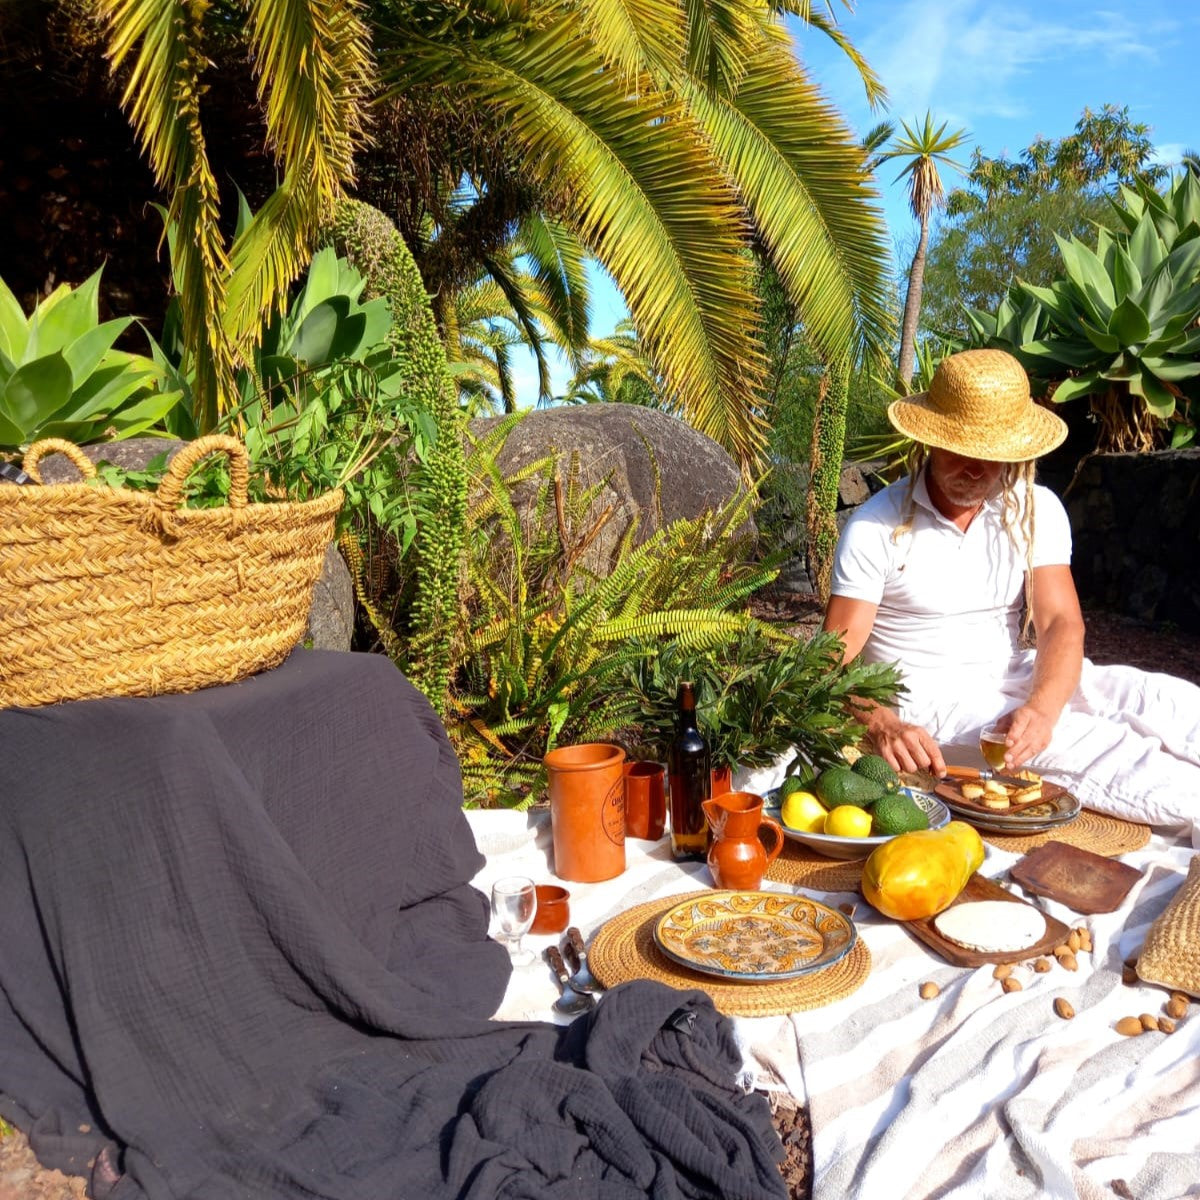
(622, 444)
(331, 616)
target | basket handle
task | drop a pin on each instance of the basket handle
(169, 496)
(40, 450)
(170, 489)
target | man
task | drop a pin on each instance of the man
(944, 572)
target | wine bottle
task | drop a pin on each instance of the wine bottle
(690, 780)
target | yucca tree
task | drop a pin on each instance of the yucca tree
(922, 147)
(314, 75)
(667, 138)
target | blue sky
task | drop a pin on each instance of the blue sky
(1006, 72)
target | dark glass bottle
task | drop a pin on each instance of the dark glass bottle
(690, 779)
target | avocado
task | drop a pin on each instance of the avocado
(840, 785)
(872, 766)
(897, 812)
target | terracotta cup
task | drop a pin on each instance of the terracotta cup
(587, 811)
(645, 800)
(553, 913)
(745, 842)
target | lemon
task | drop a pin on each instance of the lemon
(803, 812)
(848, 821)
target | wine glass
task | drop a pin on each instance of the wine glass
(992, 740)
(514, 902)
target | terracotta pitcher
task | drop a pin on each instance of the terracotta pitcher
(745, 842)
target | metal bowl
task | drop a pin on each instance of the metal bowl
(852, 847)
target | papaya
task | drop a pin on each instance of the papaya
(918, 874)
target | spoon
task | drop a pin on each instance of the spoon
(571, 1003)
(582, 980)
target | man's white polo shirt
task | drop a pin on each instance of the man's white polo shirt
(949, 599)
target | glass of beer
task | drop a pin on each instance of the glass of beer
(992, 744)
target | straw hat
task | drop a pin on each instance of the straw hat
(979, 405)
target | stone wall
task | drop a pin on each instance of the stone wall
(1135, 520)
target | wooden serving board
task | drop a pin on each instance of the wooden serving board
(979, 888)
(1083, 881)
(951, 789)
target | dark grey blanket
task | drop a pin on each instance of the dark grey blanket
(240, 956)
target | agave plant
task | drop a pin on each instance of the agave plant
(1175, 213)
(61, 377)
(1122, 321)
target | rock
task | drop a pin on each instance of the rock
(852, 486)
(331, 616)
(696, 475)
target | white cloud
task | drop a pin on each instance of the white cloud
(1168, 154)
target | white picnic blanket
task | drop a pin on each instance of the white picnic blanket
(977, 1093)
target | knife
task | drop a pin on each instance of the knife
(975, 773)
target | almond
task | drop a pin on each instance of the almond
(1182, 998)
(1059, 951)
(1129, 975)
(1174, 1009)
(1073, 941)
(1149, 1022)
(929, 990)
(1002, 971)
(1067, 962)
(1166, 1025)
(1042, 965)
(1010, 984)
(847, 907)
(1063, 1008)
(1129, 1026)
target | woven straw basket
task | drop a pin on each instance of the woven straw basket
(113, 592)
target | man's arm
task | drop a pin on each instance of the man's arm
(906, 747)
(1056, 668)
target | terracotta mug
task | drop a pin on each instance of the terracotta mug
(587, 811)
(645, 800)
(553, 913)
(740, 853)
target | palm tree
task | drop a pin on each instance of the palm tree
(924, 148)
(314, 73)
(666, 143)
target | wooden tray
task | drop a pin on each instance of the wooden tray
(979, 888)
(950, 788)
(1083, 881)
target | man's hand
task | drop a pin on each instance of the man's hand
(906, 747)
(1029, 733)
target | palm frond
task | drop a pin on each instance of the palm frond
(634, 182)
(164, 39)
(314, 73)
(803, 178)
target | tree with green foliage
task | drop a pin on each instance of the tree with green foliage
(922, 149)
(1001, 225)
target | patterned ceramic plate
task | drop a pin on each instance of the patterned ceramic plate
(754, 935)
(847, 847)
(1040, 818)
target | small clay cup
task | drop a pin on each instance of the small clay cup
(645, 800)
(553, 909)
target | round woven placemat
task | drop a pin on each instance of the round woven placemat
(797, 864)
(1101, 834)
(624, 949)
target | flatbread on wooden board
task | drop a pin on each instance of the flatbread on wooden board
(992, 926)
